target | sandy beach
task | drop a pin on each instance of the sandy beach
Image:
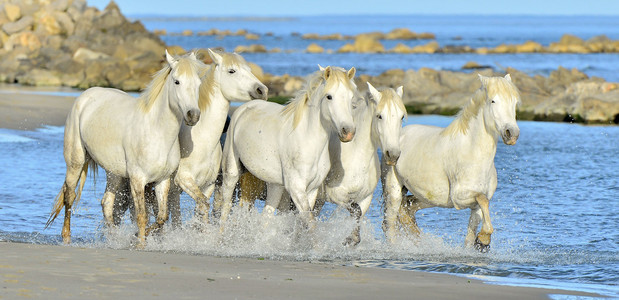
(66, 272)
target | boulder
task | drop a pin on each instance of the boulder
(40, 77)
(82, 55)
(471, 65)
(314, 48)
(252, 36)
(529, 47)
(25, 39)
(402, 49)
(23, 24)
(368, 44)
(431, 47)
(401, 34)
(255, 48)
(12, 11)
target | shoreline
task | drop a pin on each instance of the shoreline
(55, 271)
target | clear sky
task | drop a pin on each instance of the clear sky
(358, 7)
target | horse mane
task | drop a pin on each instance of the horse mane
(208, 85)
(149, 96)
(491, 87)
(299, 103)
(389, 100)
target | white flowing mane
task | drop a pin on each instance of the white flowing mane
(298, 104)
(152, 93)
(491, 87)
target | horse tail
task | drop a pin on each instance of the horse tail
(59, 200)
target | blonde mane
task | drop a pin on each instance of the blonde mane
(149, 96)
(491, 87)
(299, 103)
(208, 85)
(389, 100)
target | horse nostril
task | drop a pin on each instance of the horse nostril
(508, 134)
(387, 154)
(259, 91)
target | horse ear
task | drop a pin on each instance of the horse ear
(508, 77)
(351, 73)
(483, 79)
(192, 55)
(170, 59)
(321, 67)
(326, 73)
(373, 93)
(400, 91)
(216, 57)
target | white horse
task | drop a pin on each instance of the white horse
(130, 138)
(355, 166)
(229, 79)
(287, 146)
(454, 166)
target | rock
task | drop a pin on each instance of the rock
(25, 39)
(60, 5)
(82, 55)
(314, 48)
(162, 32)
(431, 47)
(503, 48)
(252, 36)
(40, 77)
(176, 50)
(255, 48)
(368, 44)
(402, 49)
(256, 70)
(401, 34)
(529, 47)
(46, 21)
(347, 48)
(12, 11)
(187, 32)
(471, 65)
(25, 23)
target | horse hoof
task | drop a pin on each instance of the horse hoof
(479, 246)
(351, 242)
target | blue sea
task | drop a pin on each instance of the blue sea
(555, 210)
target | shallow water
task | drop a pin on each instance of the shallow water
(554, 214)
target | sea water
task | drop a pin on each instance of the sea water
(555, 210)
(554, 214)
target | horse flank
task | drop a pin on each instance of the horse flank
(491, 87)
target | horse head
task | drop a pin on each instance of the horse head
(500, 107)
(387, 120)
(184, 84)
(235, 78)
(337, 96)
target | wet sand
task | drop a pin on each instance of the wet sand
(65, 272)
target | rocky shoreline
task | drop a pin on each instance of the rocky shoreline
(67, 43)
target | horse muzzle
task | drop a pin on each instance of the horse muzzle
(192, 117)
(510, 135)
(391, 157)
(346, 134)
(260, 91)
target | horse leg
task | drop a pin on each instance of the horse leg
(482, 243)
(274, 196)
(139, 205)
(113, 186)
(410, 206)
(188, 184)
(174, 205)
(231, 173)
(161, 192)
(68, 195)
(474, 220)
(285, 204)
(357, 210)
(392, 196)
(251, 189)
(122, 202)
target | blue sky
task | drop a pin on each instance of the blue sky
(351, 7)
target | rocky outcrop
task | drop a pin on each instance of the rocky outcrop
(565, 95)
(68, 43)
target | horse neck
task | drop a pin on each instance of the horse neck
(164, 114)
(218, 106)
(366, 134)
(478, 134)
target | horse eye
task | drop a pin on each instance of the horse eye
(493, 101)
(402, 118)
(231, 71)
(380, 117)
(329, 97)
(177, 82)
